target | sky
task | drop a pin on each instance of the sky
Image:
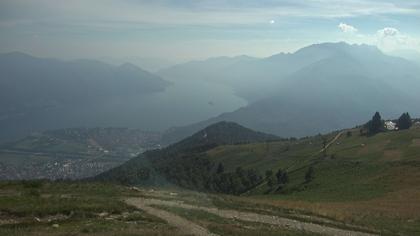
(182, 30)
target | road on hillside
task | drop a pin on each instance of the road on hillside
(189, 227)
(332, 141)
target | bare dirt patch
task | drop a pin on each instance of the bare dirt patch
(233, 214)
(392, 155)
(415, 142)
(186, 226)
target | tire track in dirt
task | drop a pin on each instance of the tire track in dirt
(233, 214)
(185, 226)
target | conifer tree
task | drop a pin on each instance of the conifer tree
(310, 174)
(375, 125)
(404, 122)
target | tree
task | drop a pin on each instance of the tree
(240, 172)
(324, 146)
(282, 177)
(220, 168)
(310, 174)
(404, 122)
(253, 176)
(268, 173)
(279, 174)
(270, 178)
(375, 125)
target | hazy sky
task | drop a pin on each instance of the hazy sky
(179, 30)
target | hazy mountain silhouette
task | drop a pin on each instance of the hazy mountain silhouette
(411, 55)
(31, 88)
(326, 86)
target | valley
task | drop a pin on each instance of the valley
(210, 118)
(72, 153)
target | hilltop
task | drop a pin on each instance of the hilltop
(224, 133)
(159, 166)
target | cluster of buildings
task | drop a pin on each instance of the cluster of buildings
(391, 125)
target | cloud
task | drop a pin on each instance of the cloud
(390, 39)
(192, 12)
(388, 32)
(347, 28)
(159, 23)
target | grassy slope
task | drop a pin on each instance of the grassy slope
(374, 181)
(32, 208)
(355, 168)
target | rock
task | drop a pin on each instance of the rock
(135, 189)
(55, 225)
(103, 214)
(37, 219)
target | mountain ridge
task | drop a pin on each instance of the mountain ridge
(32, 87)
(362, 82)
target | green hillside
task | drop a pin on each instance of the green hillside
(353, 166)
(184, 163)
(372, 181)
(359, 182)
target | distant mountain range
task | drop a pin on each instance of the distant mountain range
(258, 78)
(38, 94)
(411, 55)
(319, 88)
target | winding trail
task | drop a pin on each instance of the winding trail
(192, 228)
(289, 168)
(185, 226)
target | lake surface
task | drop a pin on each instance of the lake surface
(182, 103)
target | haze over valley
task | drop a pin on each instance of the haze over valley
(211, 117)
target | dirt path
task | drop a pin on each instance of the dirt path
(187, 227)
(332, 141)
(289, 169)
(232, 214)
